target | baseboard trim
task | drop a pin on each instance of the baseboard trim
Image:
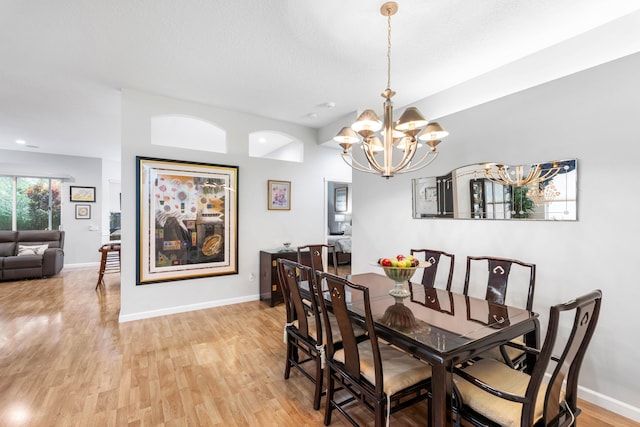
(624, 409)
(185, 308)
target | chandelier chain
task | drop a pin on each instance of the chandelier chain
(388, 48)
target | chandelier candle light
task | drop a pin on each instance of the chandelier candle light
(402, 135)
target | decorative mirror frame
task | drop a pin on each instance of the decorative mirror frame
(484, 191)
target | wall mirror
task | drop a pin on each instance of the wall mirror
(539, 191)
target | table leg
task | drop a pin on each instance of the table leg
(532, 339)
(441, 386)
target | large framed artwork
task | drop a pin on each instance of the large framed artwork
(187, 220)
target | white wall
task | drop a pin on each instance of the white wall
(81, 243)
(258, 227)
(591, 116)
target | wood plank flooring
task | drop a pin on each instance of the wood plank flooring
(66, 361)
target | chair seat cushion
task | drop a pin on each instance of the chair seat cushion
(400, 370)
(502, 377)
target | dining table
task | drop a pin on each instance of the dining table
(443, 328)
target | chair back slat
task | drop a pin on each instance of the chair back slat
(429, 274)
(498, 278)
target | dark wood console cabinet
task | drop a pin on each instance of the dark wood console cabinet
(270, 288)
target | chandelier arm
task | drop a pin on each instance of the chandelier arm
(373, 162)
(409, 153)
(551, 173)
(424, 161)
(354, 164)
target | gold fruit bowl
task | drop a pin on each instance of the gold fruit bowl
(399, 274)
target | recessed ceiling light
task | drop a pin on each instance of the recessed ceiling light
(262, 140)
(330, 104)
(21, 141)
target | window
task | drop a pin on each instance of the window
(29, 203)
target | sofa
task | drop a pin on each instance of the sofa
(30, 254)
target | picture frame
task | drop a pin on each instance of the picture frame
(82, 194)
(279, 195)
(187, 220)
(83, 211)
(340, 199)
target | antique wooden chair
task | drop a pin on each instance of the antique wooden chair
(435, 257)
(490, 393)
(492, 275)
(303, 331)
(378, 375)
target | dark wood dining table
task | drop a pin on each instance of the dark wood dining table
(443, 328)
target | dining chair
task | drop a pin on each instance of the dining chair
(491, 275)
(382, 377)
(303, 331)
(434, 257)
(313, 255)
(490, 393)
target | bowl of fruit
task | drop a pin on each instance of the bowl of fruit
(400, 269)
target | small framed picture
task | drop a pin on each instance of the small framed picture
(279, 195)
(82, 194)
(340, 199)
(83, 211)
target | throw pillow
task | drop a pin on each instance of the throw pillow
(32, 249)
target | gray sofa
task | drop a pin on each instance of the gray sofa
(23, 255)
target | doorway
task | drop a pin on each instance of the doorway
(338, 209)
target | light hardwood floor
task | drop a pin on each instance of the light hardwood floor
(66, 361)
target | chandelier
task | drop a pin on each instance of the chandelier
(403, 135)
(519, 176)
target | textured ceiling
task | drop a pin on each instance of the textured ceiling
(63, 62)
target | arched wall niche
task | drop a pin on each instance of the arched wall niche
(175, 130)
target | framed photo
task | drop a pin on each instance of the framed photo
(340, 202)
(83, 211)
(82, 194)
(279, 195)
(187, 220)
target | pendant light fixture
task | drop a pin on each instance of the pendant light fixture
(380, 138)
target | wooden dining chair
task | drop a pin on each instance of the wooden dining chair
(492, 275)
(490, 393)
(378, 375)
(303, 331)
(313, 255)
(435, 257)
